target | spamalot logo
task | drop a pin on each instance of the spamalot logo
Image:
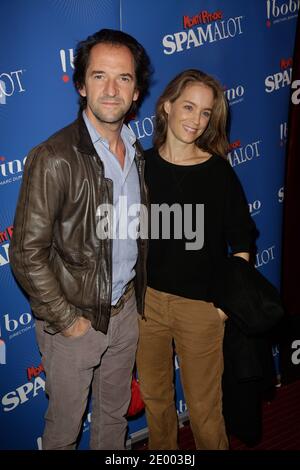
(240, 153)
(5, 237)
(208, 28)
(265, 256)
(144, 127)
(11, 83)
(25, 392)
(281, 78)
(167, 222)
(204, 17)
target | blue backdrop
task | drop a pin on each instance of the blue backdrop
(247, 45)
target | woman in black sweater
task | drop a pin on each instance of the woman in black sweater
(198, 215)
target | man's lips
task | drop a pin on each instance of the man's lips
(110, 103)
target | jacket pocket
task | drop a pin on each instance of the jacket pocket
(71, 271)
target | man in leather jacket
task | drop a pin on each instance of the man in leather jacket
(85, 279)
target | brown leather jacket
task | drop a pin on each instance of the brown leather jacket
(55, 253)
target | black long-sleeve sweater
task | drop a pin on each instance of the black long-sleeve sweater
(227, 223)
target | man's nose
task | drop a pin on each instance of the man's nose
(111, 88)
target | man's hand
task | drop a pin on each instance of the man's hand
(79, 328)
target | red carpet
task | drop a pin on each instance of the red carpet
(281, 424)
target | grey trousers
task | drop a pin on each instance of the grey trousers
(72, 365)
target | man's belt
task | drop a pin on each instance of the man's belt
(115, 309)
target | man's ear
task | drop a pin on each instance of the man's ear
(82, 91)
(136, 94)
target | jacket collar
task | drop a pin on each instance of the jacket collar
(85, 144)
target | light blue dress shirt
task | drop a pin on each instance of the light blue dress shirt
(126, 193)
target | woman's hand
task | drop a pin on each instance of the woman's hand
(222, 315)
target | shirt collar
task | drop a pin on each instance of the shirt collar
(127, 134)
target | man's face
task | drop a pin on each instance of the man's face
(110, 84)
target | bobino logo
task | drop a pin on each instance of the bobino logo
(234, 95)
(5, 237)
(11, 83)
(280, 79)
(66, 61)
(202, 28)
(15, 326)
(25, 392)
(2, 352)
(240, 153)
(255, 207)
(11, 170)
(278, 11)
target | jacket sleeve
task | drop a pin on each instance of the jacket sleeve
(41, 196)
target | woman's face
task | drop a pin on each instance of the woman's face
(189, 115)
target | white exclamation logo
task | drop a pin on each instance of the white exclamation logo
(268, 13)
(2, 352)
(2, 92)
(63, 61)
(283, 132)
(65, 77)
(39, 443)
